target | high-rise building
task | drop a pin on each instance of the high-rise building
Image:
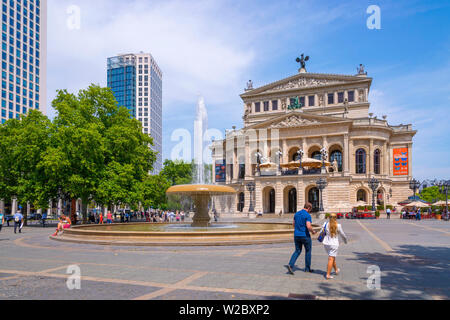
(136, 81)
(24, 57)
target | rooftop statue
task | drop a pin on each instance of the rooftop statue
(303, 60)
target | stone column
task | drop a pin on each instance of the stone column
(285, 152)
(246, 200)
(345, 157)
(391, 161)
(258, 200)
(60, 204)
(235, 165)
(279, 199)
(49, 210)
(385, 170)
(410, 167)
(305, 147)
(14, 206)
(371, 158)
(351, 157)
(248, 160)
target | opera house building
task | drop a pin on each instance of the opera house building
(311, 138)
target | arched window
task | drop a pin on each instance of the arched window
(362, 195)
(377, 162)
(317, 155)
(337, 155)
(361, 161)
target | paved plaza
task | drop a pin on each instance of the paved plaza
(414, 258)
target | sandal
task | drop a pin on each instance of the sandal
(338, 271)
(329, 278)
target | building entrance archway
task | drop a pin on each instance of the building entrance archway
(269, 200)
(290, 200)
(314, 199)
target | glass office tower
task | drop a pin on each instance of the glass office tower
(136, 81)
(24, 61)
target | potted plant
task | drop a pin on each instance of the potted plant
(377, 215)
(439, 215)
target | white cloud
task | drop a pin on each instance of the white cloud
(199, 50)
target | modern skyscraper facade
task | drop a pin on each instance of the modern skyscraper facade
(24, 57)
(136, 81)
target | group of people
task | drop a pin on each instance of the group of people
(302, 239)
(413, 214)
(152, 216)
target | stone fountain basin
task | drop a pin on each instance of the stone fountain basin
(201, 189)
(260, 233)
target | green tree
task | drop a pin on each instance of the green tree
(102, 151)
(178, 172)
(152, 192)
(431, 194)
(22, 146)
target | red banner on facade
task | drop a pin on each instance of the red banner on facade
(401, 162)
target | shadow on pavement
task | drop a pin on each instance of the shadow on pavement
(414, 272)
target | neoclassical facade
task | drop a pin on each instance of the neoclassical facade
(295, 119)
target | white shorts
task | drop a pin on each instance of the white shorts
(332, 251)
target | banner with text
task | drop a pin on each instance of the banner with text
(401, 162)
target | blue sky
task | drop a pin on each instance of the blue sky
(213, 48)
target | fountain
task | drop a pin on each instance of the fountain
(201, 232)
(201, 195)
(200, 192)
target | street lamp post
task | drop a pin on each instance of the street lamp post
(443, 189)
(414, 185)
(251, 188)
(324, 154)
(321, 185)
(373, 185)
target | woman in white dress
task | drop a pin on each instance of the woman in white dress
(331, 243)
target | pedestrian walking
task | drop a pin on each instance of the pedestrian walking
(302, 238)
(388, 212)
(18, 221)
(2, 220)
(331, 243)
(43, 219)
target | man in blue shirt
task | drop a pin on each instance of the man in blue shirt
(303, 227)
(18, 218)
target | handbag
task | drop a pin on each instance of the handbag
(323, 234)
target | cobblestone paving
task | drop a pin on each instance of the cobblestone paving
(414, 258)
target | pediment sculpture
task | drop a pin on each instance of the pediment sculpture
(304, 83)
(292, 122)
